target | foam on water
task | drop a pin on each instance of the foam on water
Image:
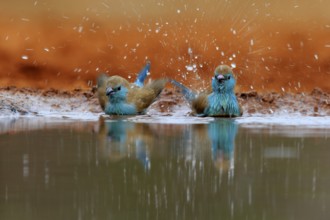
(285, 120)
(180, 117)
(250, 121)
(170, 119)
(253, 121)
(84, 116)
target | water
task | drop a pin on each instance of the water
(118, 169)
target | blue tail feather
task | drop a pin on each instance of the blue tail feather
(143, 75)
(188, 94)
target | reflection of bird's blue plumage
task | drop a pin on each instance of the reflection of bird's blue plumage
(222, 134)
(117, 137)
(143, 75)
(116, 132)
(141, 153)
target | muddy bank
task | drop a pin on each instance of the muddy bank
(81, 103)
(26, 101)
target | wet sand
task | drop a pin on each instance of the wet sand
(81, 103)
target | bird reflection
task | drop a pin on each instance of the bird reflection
(222, 135)
(121, 138)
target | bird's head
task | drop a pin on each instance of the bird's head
(116, 88)
(223, 80)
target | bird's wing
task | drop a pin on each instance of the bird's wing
(143, 75)
(101, 90)
(188, 93)
(140, 97)
(200, 103)
(143, 97)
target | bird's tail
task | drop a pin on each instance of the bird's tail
(188, 93)
(101, 90)
(143, 75)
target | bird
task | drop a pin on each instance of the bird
(119, 97)
(220, 100)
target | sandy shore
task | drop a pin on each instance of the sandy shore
(84, 104)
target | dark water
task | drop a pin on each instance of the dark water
(123, 170)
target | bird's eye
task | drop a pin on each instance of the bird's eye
(118, 88)
(228, 77)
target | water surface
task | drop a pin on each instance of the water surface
(118, 169)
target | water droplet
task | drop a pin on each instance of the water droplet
(189, 68)
(233, 65)
(105, 5)
(25, 57)
(80, 29)
(178, 11)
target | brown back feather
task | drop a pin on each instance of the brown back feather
(143, 97)
(101, 89)
(200, 103)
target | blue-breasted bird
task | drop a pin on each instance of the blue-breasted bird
(119, 97)
(218, 102)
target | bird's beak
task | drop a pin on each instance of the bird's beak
(220, 78)
(109, 91)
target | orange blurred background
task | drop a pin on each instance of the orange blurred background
(273, 45)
